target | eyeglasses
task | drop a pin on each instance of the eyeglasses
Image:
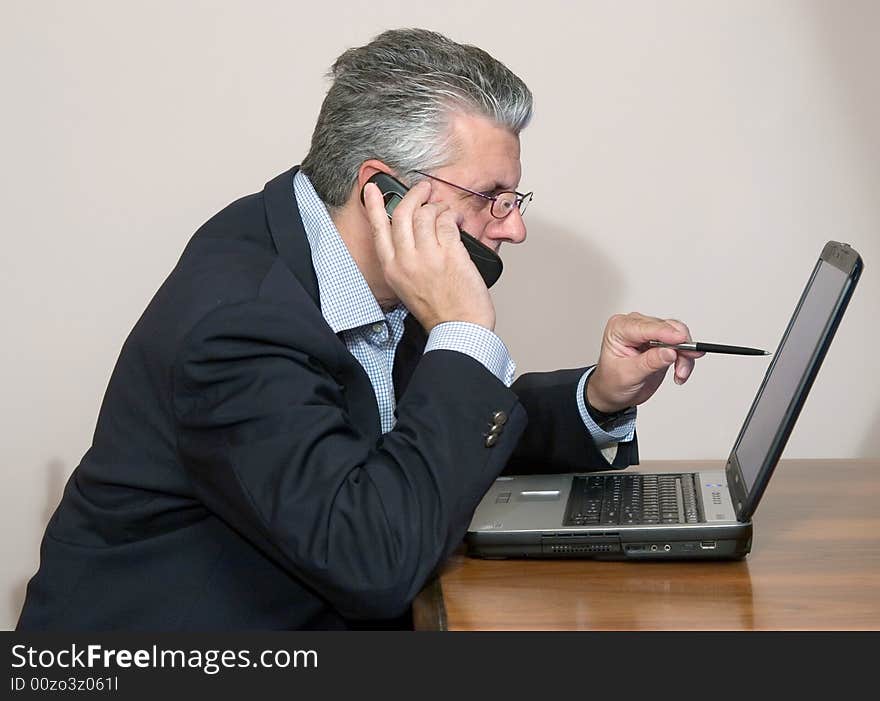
(502, 204)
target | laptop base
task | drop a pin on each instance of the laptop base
(721, 542)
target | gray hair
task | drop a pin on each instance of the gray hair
(393, 100)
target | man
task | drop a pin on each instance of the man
(303, 421)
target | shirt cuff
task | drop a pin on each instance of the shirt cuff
(622, 431)
(476, 341)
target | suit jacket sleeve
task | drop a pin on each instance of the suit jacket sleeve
(556, 439)
(265, 432)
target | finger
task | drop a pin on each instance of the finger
(684, 364)
(681, 326)
(636, 330)
(683, 369)
(447, 229)
(402, 223)
(425, 222)
(379, 223)
(657, 360)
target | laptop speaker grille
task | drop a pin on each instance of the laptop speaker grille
(584, 548)
(581, 548)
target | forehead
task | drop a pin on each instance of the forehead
(487, 155)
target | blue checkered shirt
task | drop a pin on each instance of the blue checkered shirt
(372, 336)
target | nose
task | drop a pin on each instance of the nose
(511, 229)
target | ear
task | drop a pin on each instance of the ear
(368, 169)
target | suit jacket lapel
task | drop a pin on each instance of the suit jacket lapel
(288, 233)
(289, 236)
(409, 351)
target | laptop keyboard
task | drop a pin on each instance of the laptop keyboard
(632, 499)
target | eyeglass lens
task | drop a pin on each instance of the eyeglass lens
(505, 202)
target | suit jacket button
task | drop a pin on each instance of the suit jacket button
(491, 439)
(500, 418)
(495, 428)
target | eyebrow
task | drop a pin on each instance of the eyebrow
(498, 187)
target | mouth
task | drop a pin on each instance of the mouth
(492, 245)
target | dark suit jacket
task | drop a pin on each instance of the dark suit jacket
(238, 477)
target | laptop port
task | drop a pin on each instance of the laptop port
(667, 547)
(708, 544)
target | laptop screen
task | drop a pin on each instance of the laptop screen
(790, 368)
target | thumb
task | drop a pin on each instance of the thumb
(658, 359)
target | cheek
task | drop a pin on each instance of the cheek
(478, 227)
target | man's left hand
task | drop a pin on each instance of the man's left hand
(629, 371)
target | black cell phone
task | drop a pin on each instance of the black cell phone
(487, 261)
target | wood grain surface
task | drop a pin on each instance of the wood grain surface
(814, 565)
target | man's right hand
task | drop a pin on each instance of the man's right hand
(425, 262)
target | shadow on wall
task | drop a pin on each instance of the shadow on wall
(555, 297)
(849, 38)
(871, 445)
(56, 479)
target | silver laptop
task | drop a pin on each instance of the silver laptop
(677, 515)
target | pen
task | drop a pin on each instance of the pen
(709, 348)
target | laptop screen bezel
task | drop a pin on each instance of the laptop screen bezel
(845, 258)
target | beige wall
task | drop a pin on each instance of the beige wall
(689, 160)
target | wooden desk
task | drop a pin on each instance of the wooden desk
(815, 564)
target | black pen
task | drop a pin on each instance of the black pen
(709, 348)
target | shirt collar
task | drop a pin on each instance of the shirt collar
(346, 299)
